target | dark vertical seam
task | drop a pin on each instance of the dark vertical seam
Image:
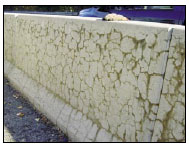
(169, 37)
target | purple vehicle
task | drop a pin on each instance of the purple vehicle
(163, 14)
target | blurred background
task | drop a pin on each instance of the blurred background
(46, 8)
(171, 14)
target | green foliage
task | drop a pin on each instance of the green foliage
(46, 8)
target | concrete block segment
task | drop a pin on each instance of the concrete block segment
(100, 81)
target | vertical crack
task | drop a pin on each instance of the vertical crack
(169, 37)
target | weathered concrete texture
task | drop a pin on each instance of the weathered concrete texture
(170, 122)
(9, 36)
(110, 72)
(73, 122)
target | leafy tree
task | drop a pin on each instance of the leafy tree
(46, 8)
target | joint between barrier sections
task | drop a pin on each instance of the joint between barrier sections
(169, 37)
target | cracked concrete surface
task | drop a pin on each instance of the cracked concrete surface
(100, 81)
(170, 122)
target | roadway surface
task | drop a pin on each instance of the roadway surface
(22, 123)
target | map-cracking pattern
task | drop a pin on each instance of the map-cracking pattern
(111, 72)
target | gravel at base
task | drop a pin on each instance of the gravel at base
(22, 123)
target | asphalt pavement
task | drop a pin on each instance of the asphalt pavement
(23, 123)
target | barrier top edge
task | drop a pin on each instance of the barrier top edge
(142, 23)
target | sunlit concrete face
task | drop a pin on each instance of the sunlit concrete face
(108, 76)
(170, 122)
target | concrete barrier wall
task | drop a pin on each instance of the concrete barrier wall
(170, 122)
(99, 81)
